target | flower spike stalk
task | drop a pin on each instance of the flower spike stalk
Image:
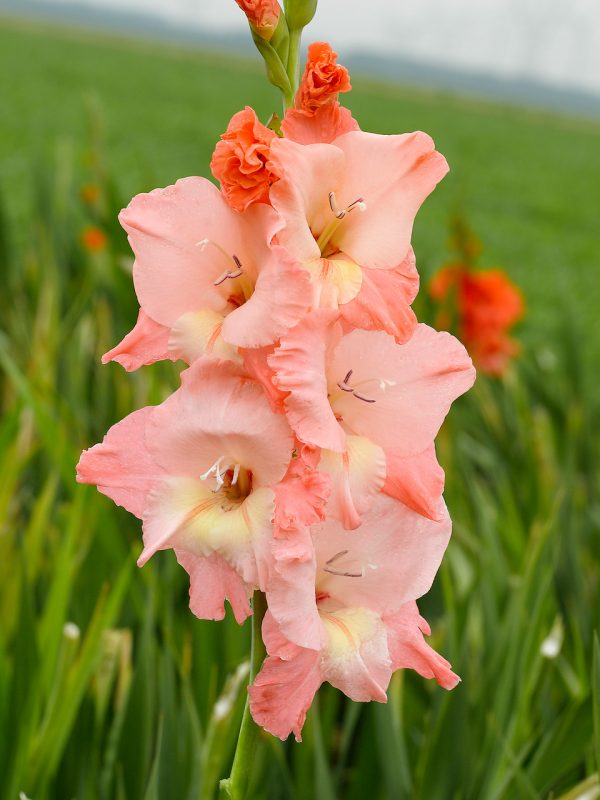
(293, 471)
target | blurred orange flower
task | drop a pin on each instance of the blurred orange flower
(323, 79)
(93, 239)
(90, 193)
(484, 305)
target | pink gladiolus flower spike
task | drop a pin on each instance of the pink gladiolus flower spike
(351, 204)
(200, 471)
(374, 407)
(206, 276)
(355, 619)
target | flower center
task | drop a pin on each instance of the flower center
(339, 215)
(232, 480)
(355, 390)
(242, 288)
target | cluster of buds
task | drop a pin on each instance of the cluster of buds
(297, 457)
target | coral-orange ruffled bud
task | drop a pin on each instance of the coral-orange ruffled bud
(323, 79)
(263, 15)
(240, 161)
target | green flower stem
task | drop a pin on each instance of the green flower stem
(293, 65)
(235, 787)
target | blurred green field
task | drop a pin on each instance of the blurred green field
(121, 703)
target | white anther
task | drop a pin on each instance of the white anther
(236, 474)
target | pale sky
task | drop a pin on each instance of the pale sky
(555, 41)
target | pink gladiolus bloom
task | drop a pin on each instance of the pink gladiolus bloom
(240, 161)
(206, 276)
(360, 396)
(352, 620)
(200, 470)
(351, 204)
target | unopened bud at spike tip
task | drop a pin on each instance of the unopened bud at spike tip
(299, 13)
(263, 16)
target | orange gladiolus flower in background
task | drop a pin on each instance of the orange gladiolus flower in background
(481, 305)
(93, 239)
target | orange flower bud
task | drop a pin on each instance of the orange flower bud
(323, 79)
(93, 239)
(240, 161)
(263, 15)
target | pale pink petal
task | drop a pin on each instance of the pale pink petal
(173, 273)
(283, 691)
(393, 175)
(212, 581)
(308, 173)
(219, 411)
(291, 592)
(299, 365)
(410, 387)
(356, 659)
(357, 477)
(282, 296)
(121, 465)
(197, 334)
(257, 366)
(391, 559)
(145, 344)
(323, 126)
(383, 302)
(409, 650)
(417, 481)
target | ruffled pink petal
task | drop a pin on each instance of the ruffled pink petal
(417, 481)
(308, 173)
(257, 366)
(390, 560)
(410, 387)
(147, 343)
(301, 497)
(282, 296)
(355, 658)
(299, 365)
(291, 593)
(219, 411)
(283, 691)
(383, 302)
(323, 126)
(393, 175)
(212, 581)
(409, 650)
(357, 476)
(173, 274)
(121, 466)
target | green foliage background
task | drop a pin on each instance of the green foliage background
(121, 704)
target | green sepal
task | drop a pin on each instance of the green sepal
(275, 69)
